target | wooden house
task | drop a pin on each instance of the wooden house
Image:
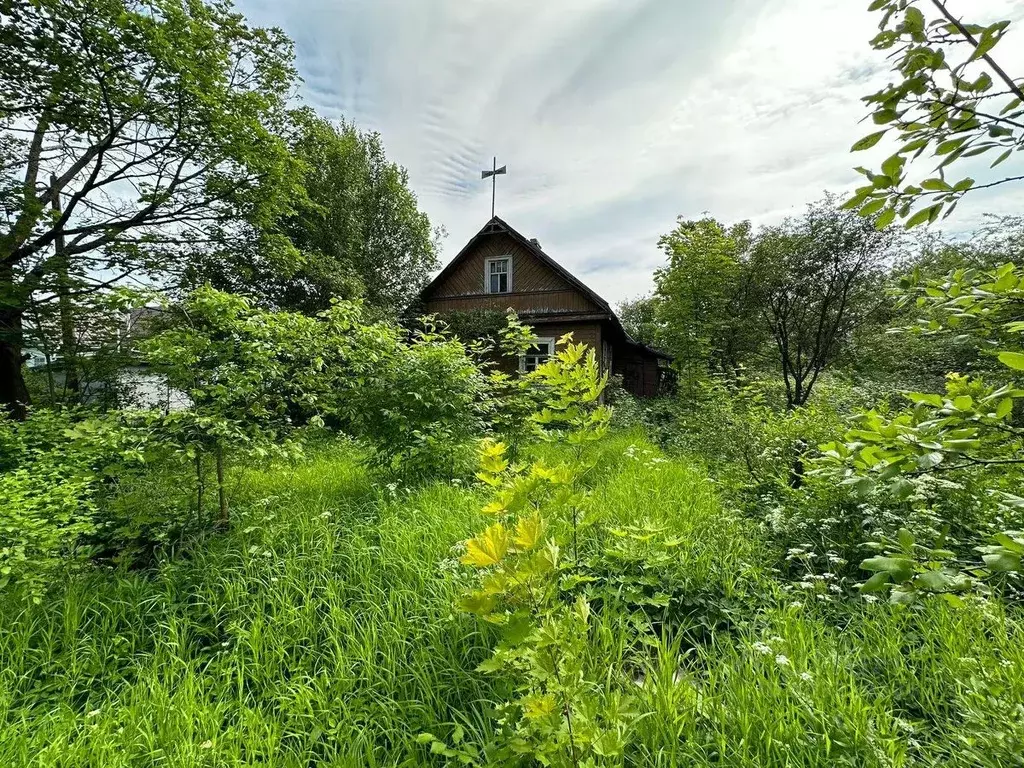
(500, 269)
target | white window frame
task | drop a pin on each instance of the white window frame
(549, 340)
(487, 274)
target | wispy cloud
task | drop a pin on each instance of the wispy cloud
(614, 116)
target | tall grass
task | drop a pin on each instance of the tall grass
(321, 631)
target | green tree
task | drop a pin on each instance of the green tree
(698, 294)
(131, 134)
(900, 361)
(950, 96)
(818, 277)
(640, 317)
(358, 230)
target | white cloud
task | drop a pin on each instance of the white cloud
(613, 116)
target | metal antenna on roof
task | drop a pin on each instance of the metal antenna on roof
(493, 176)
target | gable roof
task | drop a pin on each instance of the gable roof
(496, 226)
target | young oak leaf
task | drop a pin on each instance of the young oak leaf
(488, 548)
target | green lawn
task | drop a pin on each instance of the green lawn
(321, 631)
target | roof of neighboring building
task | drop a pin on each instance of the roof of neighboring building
(497, 225)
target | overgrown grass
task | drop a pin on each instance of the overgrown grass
(322, 631)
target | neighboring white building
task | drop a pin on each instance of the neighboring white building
(138, 387)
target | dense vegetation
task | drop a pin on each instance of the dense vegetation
(354, 541)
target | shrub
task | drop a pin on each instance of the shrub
(51, 472)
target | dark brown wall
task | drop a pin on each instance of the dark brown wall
(536, 303)
(639, 370)
(535, 288)
(588, 333)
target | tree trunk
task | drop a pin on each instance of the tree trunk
(199, 488)
(797, 470)
(13, 392)
(221, 490)
(68, 342)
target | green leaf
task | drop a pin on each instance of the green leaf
(868, 141)
(903, 597)
(885, 218)
(873, 207)
(934, 581)
(929, 398)
(863, 486)
(876, 583)
(989, 40)
(1002, 561)
(918, 218)
(1010, 543)
(914, 19)
(1013, 360)
(906, 539)
(1005, 408)
(1002, 158)
(949, 145)
(893, 166)
(899, 568)
(903, 489)
(856, 201)
(936, 185)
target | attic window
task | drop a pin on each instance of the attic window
(498, 275)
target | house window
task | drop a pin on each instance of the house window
(498, 275)
(538, 353)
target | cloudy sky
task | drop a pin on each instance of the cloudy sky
(613, 116)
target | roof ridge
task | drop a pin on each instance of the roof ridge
(489, 229)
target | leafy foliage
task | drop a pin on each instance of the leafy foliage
(704, 298)
(174, 104)
(817, 275)
(969, 430)
(357, 230)
(51, 472)
(950, 96)
(559, 715)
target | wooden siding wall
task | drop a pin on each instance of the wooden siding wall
(639, 372)
(535, 287)
(587, 332)
(534, 302)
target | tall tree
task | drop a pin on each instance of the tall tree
(701, 297)
(951, 96)
(155, 126)
(640, 318)
(358, 230)
(819, 277)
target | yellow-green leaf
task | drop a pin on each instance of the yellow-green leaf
(528, 531)
(493, 508)
(1014, 360)
(488, 548)
(1005, 408)
(539, 705)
